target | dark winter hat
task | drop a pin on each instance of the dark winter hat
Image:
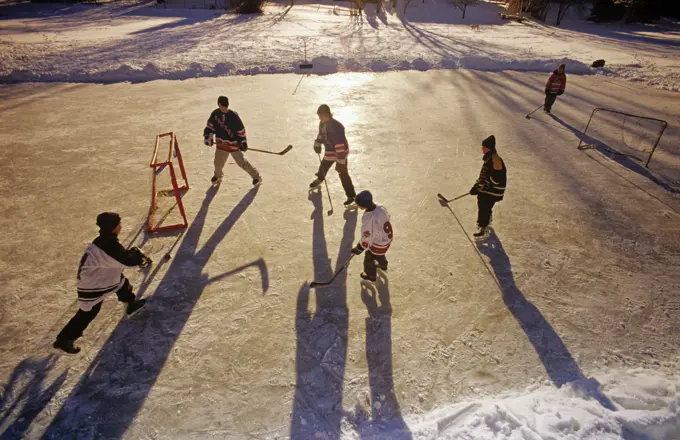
(564, 66)
(223, 100)
(364, 199)
(324, 110)
(107, 222)
(490, 143)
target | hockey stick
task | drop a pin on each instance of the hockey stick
(330, 211)
(443, 199)
(529, 115)
(280, 153)
(314, 284)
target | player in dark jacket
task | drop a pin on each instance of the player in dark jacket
(99, 275)
(554, 87)
(490, 186)
(336, 149)
(225, 129)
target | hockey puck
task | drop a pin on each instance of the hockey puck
(167, 256)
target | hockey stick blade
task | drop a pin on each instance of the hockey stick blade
(314, 284)
(280, 153)
(442, 198)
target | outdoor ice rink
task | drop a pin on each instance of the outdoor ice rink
(234, 344)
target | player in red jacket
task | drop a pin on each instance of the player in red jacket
(555, 87)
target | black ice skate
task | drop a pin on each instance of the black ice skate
(367, 278)
(66, 346)
(215, 179)
(315, 183)
(381, 267)
(483, 231)
(134, 308)
(349, 202)
(257, 181)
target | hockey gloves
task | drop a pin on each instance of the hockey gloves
(243, 146)
(357, 250)
(317, 147)
(474, 191)
(146, 262)
(209, 139)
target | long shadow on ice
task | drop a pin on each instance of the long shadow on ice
(321, 352)
(26, 394)
(385, 417)
(113, 389)
(558, 362)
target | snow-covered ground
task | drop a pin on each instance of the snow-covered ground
(503, 339)
(114, 43)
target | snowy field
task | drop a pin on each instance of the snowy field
(124, 42)
(505, 338)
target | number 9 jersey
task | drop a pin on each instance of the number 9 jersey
(376, 230)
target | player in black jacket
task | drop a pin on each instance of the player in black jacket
(99, 275)
(490, 186)
(225, 129)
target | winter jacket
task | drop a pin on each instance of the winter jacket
(101, 269)
(493, 176)
(332, 136)
(376, 231)
(228, 129)
(556, 83)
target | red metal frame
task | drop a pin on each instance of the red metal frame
(177, 190)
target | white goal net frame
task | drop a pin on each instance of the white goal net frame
(634, 135)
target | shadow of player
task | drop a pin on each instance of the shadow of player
(558, 362)
(385, 412)
(25, 395)
(112, 390)
(321, 352)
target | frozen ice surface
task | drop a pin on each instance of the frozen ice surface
(233, 344)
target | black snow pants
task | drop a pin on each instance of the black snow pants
(549, 101)
(341, 168)
(485, 204)
(77, 325)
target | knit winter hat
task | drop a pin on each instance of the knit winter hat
(324, 110)
(107, 222)
(223, 100)
(364, 199)
(490, 143)
(564, 66)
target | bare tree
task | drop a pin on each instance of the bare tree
(463, 4)
(563, 7)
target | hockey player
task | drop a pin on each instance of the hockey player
(490, 186)
(554, 87)
(100, 274)
(376, 235)
(225, 129)
(332, 137)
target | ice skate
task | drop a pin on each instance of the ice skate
(66, 346)
(134, 308)
(482, 232)
(349, 202)
(364, 276)
(315, 183)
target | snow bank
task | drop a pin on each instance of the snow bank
(111, 44)
(644, 405)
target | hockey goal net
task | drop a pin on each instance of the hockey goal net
(166, 189)
(637, 137)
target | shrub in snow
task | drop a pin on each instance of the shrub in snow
(248, 6)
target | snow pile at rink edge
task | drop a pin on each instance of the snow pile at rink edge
(321, 65)
(644, 405)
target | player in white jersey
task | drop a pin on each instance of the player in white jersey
(376, 235)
